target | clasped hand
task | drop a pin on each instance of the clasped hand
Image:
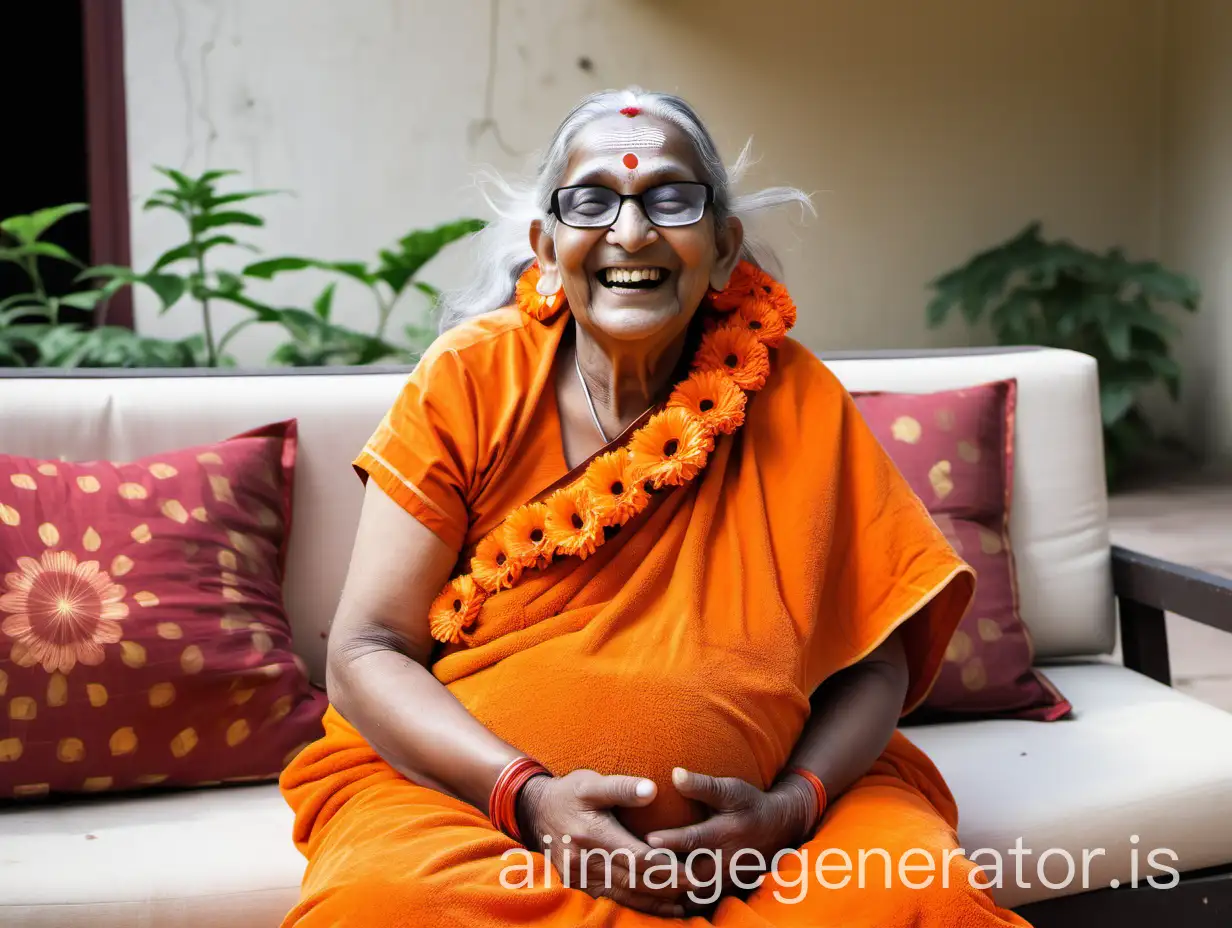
(743, 819)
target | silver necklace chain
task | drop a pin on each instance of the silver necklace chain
(577, 363)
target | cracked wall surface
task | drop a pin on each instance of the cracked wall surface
(927, 131)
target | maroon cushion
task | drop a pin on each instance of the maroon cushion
(956, 449)
(143, 638)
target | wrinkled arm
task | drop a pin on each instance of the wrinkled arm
(379, 647)
(854, 714)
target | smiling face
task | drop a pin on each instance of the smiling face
(630, 278)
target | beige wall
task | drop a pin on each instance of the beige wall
(927, 130)
(1196, 222)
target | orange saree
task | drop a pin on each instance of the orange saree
(692, 637)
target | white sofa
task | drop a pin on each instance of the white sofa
(1138, 758)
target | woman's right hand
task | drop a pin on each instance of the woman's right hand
(577, 804)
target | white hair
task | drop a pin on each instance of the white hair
(504, 251)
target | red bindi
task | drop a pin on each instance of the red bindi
(630, 111)
(630, 161)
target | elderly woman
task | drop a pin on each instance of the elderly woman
(637, 600)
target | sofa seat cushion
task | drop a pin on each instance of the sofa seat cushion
(1136, 758)
(204, 858)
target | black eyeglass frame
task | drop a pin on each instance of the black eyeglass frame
(554, 207)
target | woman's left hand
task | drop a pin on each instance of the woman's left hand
(744, 818)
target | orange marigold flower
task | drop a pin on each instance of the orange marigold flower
(746, 280)
(493, 566)
(573, 525)
(614, 489)
(738, 353)
(531, 301)
(527, 535)
(455, 609)
(781, 300)
(671, 448)
(714, 398)
(760, 317)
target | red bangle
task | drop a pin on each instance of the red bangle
(819, 789)
(503, 802)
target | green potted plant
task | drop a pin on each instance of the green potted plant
(32, 332)
(1038, 292)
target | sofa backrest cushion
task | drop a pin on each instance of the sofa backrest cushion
(1059, 526)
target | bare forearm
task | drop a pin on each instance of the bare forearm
(854, 716)
(415, 723)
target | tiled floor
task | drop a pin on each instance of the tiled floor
(1191, 523)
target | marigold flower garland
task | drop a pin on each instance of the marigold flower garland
(747, 318)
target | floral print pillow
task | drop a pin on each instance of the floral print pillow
(143, 638)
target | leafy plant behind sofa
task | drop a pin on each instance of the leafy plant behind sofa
(1037, 292)
(31, 329)
(386, 280)
(31, 332)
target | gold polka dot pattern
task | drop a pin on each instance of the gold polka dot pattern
(145, 685)
(123, 741)
(133, 654)
(183, 743)
(907, 430)
(237, 732)
(70, 750)
(955, 449)
(192, 660)
(162, 694)
(57, 690)
(174, 510)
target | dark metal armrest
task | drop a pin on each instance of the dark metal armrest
(1147, 587)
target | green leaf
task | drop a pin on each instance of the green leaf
(87, 299)
(26, 309)
(213, 202)
(266, 270)
(1142, 316)
(1011, 320)
(106, 270)
(1158, 283)
(210, 176)
(1115, 399)
(157, 202)
(1169, 372)
(183, 183)
(937, 310)
(1117, 334)
(431, 292)
(38, 249)
(27, 229)
(172, 255)
(189, 251)
(229, 283)
(396, 268)
(18, 298)
(168, 287)
(323, 305)
(235, 218)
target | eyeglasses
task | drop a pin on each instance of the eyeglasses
(590, 206)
